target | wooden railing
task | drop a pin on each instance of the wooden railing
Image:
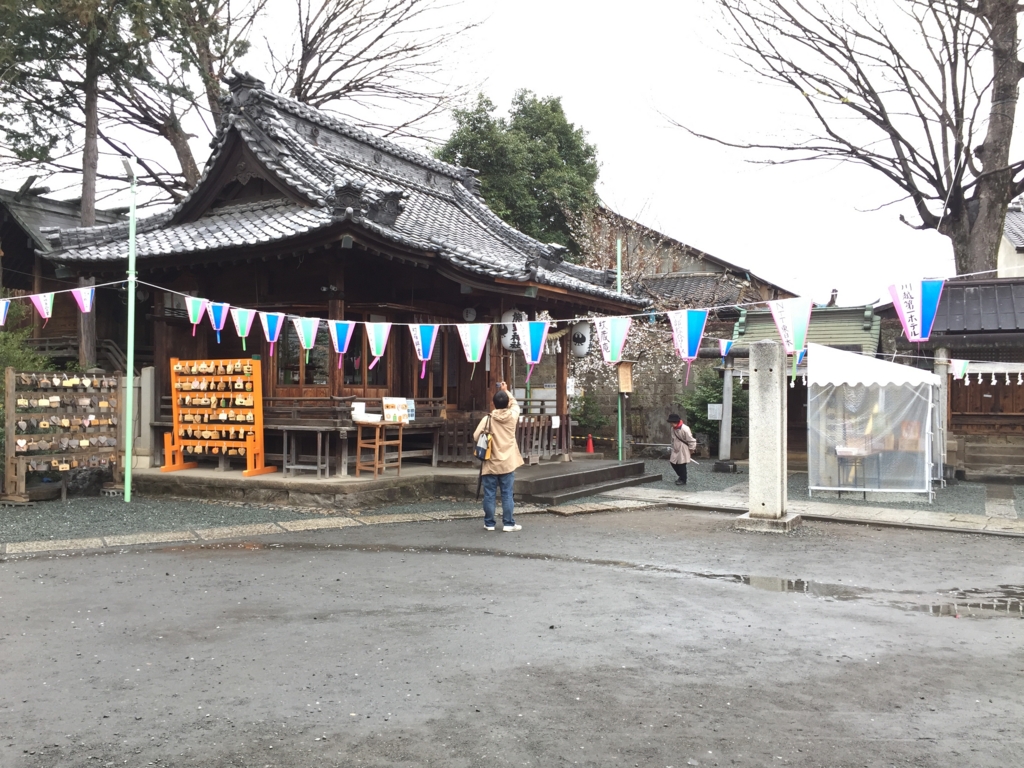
(535, 433)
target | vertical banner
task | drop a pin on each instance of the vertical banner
(611, 335)
(272, 323)
(792, 316)
(958, 368)
(341, 335)
(533, 334)
(474, 342)
(218, 312)
(724, 347)
(377, 338)
(196, 308)
(687, 332)
(5, 304)
(424, 337)
(917, 303)
(242, 318)
(85, 298)
(44, 306)
(305, 329)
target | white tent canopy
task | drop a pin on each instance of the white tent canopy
(826, 365)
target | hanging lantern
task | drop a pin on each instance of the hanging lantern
(611, 335)
(424, 337)
(916, 304)
(305, 329)
(85, 298)
(377, 337)
(580, 338)
(272, 323)
(724, 347)
(44, 306)
(792, 317)
(196, 308)
(533, 336)
(341, 335)
(474, 342)
(5, 305)
(959, 369)
(242, 318)
(507, 329)
(218, 312)
(687, 332)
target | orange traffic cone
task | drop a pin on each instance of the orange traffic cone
(590, 444)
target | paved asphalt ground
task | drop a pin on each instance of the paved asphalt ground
(645, 638)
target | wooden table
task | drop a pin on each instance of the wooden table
(373, 437)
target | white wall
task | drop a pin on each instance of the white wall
(1010, 263)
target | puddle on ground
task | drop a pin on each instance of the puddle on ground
(1005, 601)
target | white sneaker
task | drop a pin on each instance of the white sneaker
(510, 528)
(488, 527)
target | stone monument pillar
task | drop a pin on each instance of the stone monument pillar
(768, 486)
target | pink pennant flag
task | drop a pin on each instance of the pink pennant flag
(84, 297)
(44, 306)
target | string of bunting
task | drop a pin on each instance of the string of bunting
(916, 304)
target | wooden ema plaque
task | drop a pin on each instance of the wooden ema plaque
(217, 408)
(57, 422)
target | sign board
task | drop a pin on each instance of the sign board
(396, 410)
(625, 369)
(715, 411)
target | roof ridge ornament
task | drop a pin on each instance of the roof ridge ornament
(354, 199)
(242, 89)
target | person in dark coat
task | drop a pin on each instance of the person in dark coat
(683, 445)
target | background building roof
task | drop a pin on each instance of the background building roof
(980, 305)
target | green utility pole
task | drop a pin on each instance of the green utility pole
(129, 415)
(618, 271)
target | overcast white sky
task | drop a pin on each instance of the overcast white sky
(620, 68)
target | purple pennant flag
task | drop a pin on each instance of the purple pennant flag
(218, 312)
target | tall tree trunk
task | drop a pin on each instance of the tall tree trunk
(995, 187)
(176, 136)
(90, 153)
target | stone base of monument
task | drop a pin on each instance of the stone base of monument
(724, 466)
(768, 524)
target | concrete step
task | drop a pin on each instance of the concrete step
(579, 476)
(995, 450)
(554, 498)
(1014, 475)
(986, 464)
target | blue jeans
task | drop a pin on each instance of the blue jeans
(491, 484)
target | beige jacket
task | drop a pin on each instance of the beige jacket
(682, 444)
(505, 456)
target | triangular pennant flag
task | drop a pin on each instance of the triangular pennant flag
(611, 335)
(5, 304)
(800, 357)
(305, 329)
(424, 337)
(958, 368)
(218, 312)
(84, 297)
(792, 316)
(196, 308)
(724, 346)
(272, 323)
(917, 303)
(687, 332)
(44, 306)
(533, 335)
(242, 318)
(377, 338)
(474, 342)
(341, 335)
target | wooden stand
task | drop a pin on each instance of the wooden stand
(75, 416)
(216, 414)
(377, 443)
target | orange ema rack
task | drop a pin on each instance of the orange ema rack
(217, 408)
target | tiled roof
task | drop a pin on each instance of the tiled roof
(1013, 228)
(991, 305)
(699, 290)
(343, 174)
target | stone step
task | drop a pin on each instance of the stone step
(554, 498)
(996, 474)
(984, 464)
(579, 476)
(996, 450)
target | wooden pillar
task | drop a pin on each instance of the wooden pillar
(562, 376)
(87, 330)
(37, 287)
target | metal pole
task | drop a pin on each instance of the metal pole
(129, 415)
(618, 279)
